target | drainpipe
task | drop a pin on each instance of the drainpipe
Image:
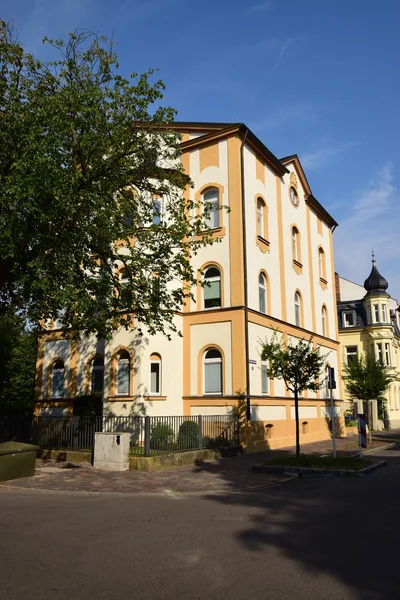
(246, 296)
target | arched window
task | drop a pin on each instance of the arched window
(57, 379)
(297, 309)
(123, 373)
(97, 376)
(262, 292)
(155, 375)
(212, 288)
(211, 203)
(212, 371)
(295, 244)
(324, 322)
(321, 263)
(261, 217)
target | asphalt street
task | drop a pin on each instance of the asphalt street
(304, 539)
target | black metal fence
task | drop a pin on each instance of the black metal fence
(148, 435)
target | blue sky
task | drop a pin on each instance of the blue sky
(319, 78)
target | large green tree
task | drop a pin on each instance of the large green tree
(17, 363)
(84, 153)
(366, 378)
(299, 364)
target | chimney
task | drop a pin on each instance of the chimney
(337, 287)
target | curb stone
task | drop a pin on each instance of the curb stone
(308, 472)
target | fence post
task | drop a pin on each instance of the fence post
(200, 423)
(147, 435)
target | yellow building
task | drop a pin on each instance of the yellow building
(369, 321)
(273, 269)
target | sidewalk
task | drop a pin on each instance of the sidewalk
(226, 475)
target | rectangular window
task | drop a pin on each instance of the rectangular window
(157, 210)
(264, 379)
(384, 314)
(348, 319)
(212, 294)
(123, 377)
(297, 314)
(155, 378)
(379, 353)
(376, 313)
(351, 354)
(57, 384)
(213, 378)
(387, 354)
(262, 300)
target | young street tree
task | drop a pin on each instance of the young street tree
(299, 364)
(366, 379)
(87, 160)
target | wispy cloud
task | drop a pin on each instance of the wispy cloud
(327, 152)
(259, 8)
(281, 53)
(287, 114)
(373, 222)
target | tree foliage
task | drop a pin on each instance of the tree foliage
(84, 152)
(299, 364)
(17, 363)
(366, 378)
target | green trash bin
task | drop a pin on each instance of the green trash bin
(17, 460)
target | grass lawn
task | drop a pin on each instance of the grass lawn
(312, 461)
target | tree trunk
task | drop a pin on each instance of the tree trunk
(296, 411)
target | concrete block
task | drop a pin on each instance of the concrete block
(111, 451)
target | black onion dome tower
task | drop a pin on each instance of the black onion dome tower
(375, 284)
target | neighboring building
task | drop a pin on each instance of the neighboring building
(369, 320)
(287, 255)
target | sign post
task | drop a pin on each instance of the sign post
(362, 433)
(332, 386)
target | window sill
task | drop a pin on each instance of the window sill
(217, 232)
(297, 266)
(262, 243)
(211, 394)
(155, 398)
(120, 398)
(323, 283)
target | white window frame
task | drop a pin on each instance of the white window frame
(212, 280)
(213, 221)
(264, 367)
(260, 217)
(297, 309)
(379, 352)
(351, 354)
(321, 262)
(262, 289)
(348, 312)
(209, 361)
(384, 314)
(119, 361)
(158, 362)
(387, 354)
(376, 313)
(295, 233)
(323, 319)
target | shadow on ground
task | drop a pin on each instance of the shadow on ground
(345, 527)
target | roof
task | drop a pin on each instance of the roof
(240, 129)
(376, 284)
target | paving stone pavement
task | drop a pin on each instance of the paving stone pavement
(220, 476)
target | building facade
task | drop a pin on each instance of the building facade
(272, 270)
(369, 320)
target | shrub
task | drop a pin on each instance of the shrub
(162, 437)
(188, 436)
